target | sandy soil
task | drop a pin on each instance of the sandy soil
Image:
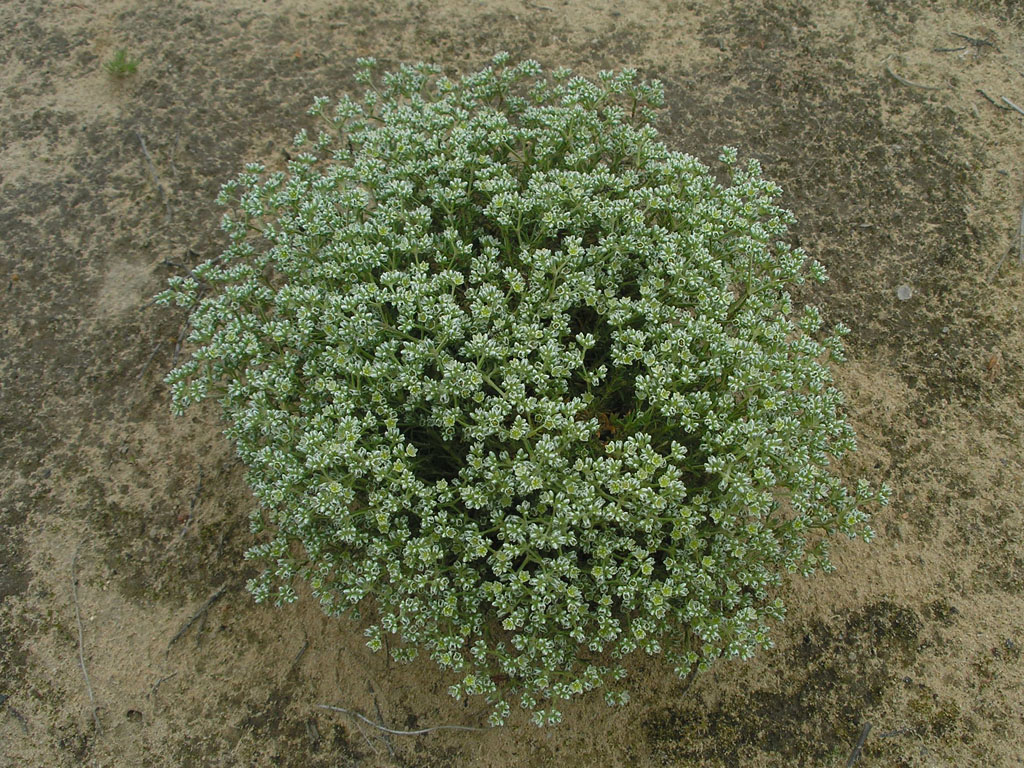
(121, 524)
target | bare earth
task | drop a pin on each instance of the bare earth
(885, 124)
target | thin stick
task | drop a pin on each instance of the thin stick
(19, 717)
(185, 327)
(688, 680)
(301, 653)
(992, 101)
(199, 629)
(1020, 238)
(198, 614)
(178, 342)
(192, 503)
(156, 176)
(1020, 249)
(366, 738)
(174, 153)
(995, 270)
(974, 40)
(911, 83)
(386, 737)
(152, 691)
(1014, 106)
(81, 641)
(312, 731)
(148, 361)
(860, 743)
(400, 733)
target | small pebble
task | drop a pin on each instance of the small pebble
(904, 292)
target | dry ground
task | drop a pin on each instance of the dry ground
(112, 507)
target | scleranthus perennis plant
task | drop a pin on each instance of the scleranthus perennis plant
(521, 383)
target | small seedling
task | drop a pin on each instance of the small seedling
(121, 65)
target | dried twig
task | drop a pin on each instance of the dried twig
(197, 615)
(81, 641)
(192, 503)
(178, 342)
(185, 326)
(386, 737)
(366, 738)
(975, 41)
(688, 680)
(399, 733)
(911, 83)
(860, 744)
(999, 265)
(200, 628)
(174, 153)
(156, 176)
(992, 101)
(1020, 238)
(300, 654)
(950, 50)
(1013, 106)
(19, 717)
(1020, 249)
(156, 685)
(148, 361)
(312, 732)
(15, 713)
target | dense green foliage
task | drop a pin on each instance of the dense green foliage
(521, 384)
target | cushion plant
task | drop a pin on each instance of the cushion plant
(521, 386)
